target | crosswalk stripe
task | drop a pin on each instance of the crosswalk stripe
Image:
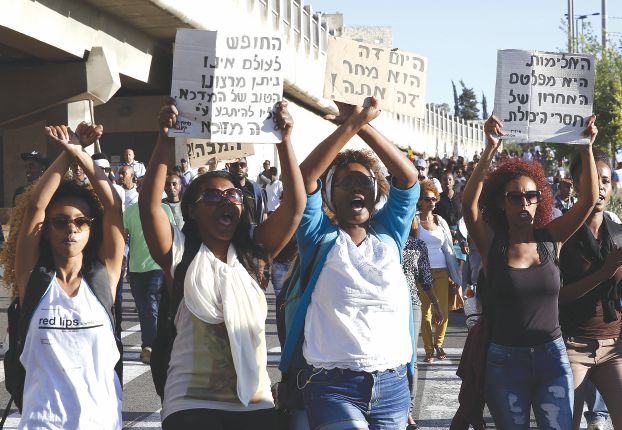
(151, 421)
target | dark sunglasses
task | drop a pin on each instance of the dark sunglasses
(213, 196)
(516, 197)
(83, 223)
(241, 164)
(358, 180)
(420, 168)
(429, 199)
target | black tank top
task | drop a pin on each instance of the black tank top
(524, 301)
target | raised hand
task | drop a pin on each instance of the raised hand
(493, 130)
(590, 129)
(167, 118)
(62, 135)
(88, 133)
(361, 115)
(283, 120)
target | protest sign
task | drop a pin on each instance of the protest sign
(226, 85)
(356, 71)
(544, 96)
(200, 151)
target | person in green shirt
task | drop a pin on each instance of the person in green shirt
(146, 278)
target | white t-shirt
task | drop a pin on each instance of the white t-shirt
(434, 241)
(358, 317)
(201, 372)
(121, 192)
(273, 192)
(69, 356)
(131, 196)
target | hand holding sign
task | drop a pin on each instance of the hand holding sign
(167, 118)
(283, 120)
(493, 131)
(357, 115)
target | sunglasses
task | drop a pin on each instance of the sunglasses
(420, 168)
(429, 199)
(357, 180)
(82, 223)
(241, 165)
(213, 196)
(516, 197)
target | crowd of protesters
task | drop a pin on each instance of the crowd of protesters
(380, 247)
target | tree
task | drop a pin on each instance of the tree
(484, 107)
(443, 107)
(456, 102)
(467, 104)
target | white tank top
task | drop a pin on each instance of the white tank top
(69, 356)
(434, 240)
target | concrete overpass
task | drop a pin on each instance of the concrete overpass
(65, 61)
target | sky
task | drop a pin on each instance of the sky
(460, 38)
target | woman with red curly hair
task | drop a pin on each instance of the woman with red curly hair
(527, 366)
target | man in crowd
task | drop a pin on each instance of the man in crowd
(101, 160)
(187, 171)
(146, 278)
(35, 164)
(137, 166)
(172, 188)
(564, 199)
(253, 199)
(127, 180)
(78, 174)
(449, 205)
(263, 179)
(274, 190)
(422, 168)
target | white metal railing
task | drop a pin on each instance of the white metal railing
(437, 133)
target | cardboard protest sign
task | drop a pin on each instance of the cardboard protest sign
(544, 96)
(226, 85)
(200, 151)
(355, 71)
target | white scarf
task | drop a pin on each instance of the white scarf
(228, 294)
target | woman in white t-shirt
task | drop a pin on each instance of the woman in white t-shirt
(68, 254)
(217, 374)
(357, 337)
(434, 231)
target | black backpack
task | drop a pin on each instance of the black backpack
(167, 309)
(19, 320)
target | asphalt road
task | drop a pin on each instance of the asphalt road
(436, 399)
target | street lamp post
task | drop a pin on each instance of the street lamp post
(582, 18)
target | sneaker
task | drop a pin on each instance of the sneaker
(145, 355)
(596, 426)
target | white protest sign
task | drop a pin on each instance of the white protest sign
(355, 71)
(226, 85)
(544, 96)
(200, 151)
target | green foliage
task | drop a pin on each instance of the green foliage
(484, 107)
(615, 204)
(467, 103)
(608, 101)
(456, 102)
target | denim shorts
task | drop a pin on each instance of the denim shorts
(521, 378)
(338, 399)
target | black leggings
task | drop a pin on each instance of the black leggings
(214, 419)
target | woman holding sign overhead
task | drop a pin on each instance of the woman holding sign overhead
(217, 373)
(353, 320)
(527, 366)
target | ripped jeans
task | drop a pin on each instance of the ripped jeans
(538, 377)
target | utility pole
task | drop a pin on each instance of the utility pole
(571, 29)
(604, 24)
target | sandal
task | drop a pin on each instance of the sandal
(440, 354)
(429, 357)
(413, 426)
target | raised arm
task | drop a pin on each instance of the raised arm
(352, 120)
(278, 229)
(400, 167)
(478, 229)
(565, 226)
(155, 223)
(29, 235)
(113, 234)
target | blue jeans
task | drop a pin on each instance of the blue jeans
(518, 378)
(146, 291)
(339, 399)
(279, 270)
(597, 412)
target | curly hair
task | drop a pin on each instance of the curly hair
(576, 164)
(248, 251)
(366, 158)
(494, 185)
(67, 188)
(427, 185)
